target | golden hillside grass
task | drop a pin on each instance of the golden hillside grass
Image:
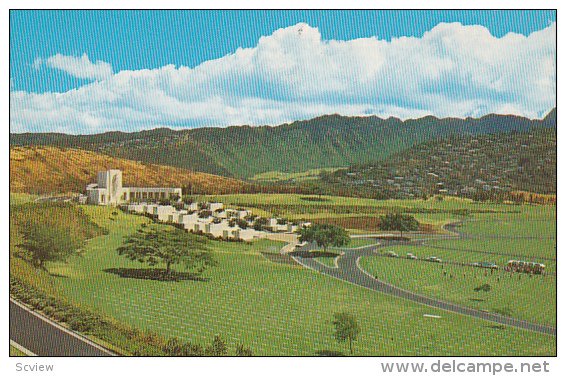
(46, 170)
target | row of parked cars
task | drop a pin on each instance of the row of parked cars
(411, 256)
(512, 265)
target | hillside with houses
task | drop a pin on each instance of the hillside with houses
(478, 166)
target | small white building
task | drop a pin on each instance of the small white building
(108, 190)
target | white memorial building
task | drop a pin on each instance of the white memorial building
(109, 191)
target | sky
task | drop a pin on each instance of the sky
(85, 72)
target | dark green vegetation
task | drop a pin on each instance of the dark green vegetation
(156, 244)
(346, 328)
(398, 222)
(326, 141)
(49, 231)
(482, 167)
(324, 235)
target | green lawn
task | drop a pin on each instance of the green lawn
(277, 176)
(21, 198)
(275, 308)
(529, 298)
(15, 352)
(524, 249)
(540, 228)
(430, 211)
(327, 260)
(520, 296)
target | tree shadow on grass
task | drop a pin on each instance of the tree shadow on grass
(155, 274)
(328, 353)
(308, 254)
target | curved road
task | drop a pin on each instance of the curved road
(349, 270)
(46, 338)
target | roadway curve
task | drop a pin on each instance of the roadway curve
(43, 337)
(349, 270)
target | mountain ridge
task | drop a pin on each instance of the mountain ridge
(244, 151)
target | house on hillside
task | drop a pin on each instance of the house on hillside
(108, 190)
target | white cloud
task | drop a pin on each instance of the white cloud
(452, 70)
(80, 67)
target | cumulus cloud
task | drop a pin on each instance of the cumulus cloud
(80, 67)
(452, 70)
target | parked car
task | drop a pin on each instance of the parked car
(433, 259)
(391, 254)
(410, 256)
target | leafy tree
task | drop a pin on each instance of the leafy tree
(48, 243)
(155, 244)
(324, 235)
(165, 202)
(346, 328)
(398, 222)
(260, 223)
(243, 351)
(486, 287)
(242, 223)
(204, 214)
(188, 200)
(217, 348)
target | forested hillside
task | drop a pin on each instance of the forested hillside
(243, 151)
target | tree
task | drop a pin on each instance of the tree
(324, 235)
(48, 243)
(260, 223)
(217, 348)
(346, 328)
(155, 244)
(486, 287)
(204, 214)
(398, 222)
(241, 350)
(242, 223)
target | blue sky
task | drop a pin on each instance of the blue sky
(114, 57)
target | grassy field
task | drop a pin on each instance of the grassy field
(276, 309)
(21, 198)
(15, 352)
(357, 213)
(278, 176)
(518, 295)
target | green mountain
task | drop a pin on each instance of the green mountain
(476, 166)
(244, 151)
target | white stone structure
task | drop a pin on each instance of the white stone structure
(108, 190)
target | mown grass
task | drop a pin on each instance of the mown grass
(275, 309)
(278, 176)
(15, 352)
(518, 295)
(363, 214)
(21, 198)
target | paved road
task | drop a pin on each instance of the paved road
(349, 270)
(43, 338)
